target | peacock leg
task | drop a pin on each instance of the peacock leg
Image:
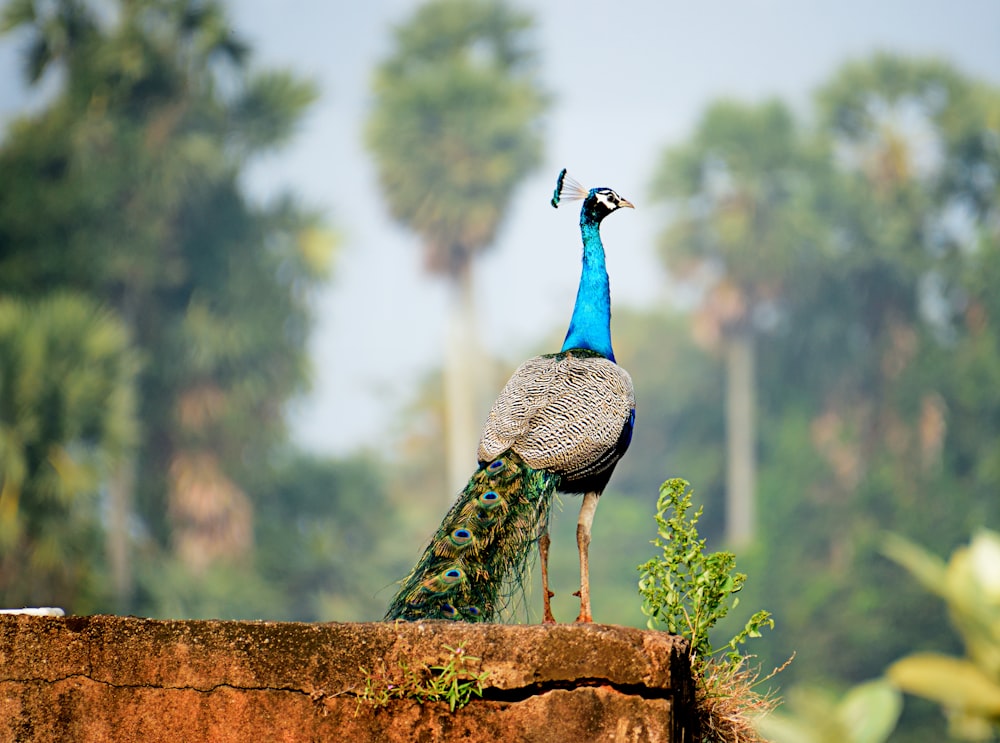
(543, 552)
(583, 525)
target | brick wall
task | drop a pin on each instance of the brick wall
(104, 678)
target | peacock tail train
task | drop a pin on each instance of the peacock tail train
(475, 562)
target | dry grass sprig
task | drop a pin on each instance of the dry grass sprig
(728, 699)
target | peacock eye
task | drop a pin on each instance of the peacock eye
(460, 537)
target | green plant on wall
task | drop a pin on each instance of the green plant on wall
(686, 591)
(967, 688)
(452, 681)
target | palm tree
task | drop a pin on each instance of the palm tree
(738, 191)
(67, 418)
(454, 128)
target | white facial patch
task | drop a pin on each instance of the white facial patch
(609, 198)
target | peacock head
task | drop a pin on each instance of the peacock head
(597, 202)
(600, 202)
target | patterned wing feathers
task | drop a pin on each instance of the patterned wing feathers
(562, 413)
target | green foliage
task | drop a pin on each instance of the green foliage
(126, 188)
(452, 681)
(967, 688)
(67, 419)
(866, 713)
(687, 590)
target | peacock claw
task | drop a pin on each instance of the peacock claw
(585, 616)
(547, 617)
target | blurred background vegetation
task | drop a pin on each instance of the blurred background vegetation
(825, 371)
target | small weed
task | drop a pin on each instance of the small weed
(452, 681)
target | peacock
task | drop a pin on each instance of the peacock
(561, 423)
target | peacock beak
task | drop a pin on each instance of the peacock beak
(626, 202)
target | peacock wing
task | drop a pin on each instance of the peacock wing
(526, 393)
(562, 413)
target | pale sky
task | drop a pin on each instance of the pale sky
(628, 78)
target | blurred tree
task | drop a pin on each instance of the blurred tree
(67, 416)
(454, 128)
(127, 187)
(329, 538)
(742, 219)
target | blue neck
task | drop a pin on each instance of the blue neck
(590, 326)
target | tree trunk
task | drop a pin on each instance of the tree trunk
(120, 489)
(740, 444)
(462, 362)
